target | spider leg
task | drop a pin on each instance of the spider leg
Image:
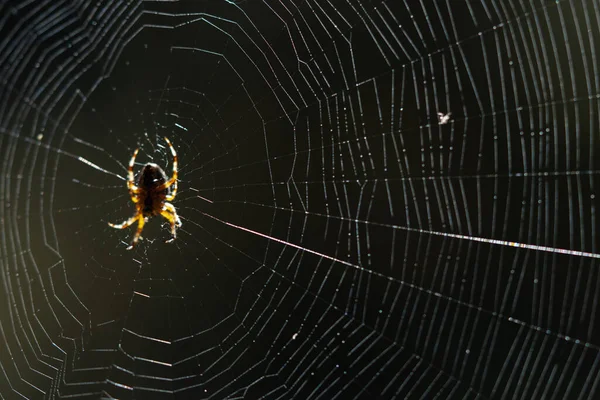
(133, 190)
(171, 208)
(169, 213)
(173, 181)
(125, 224)
(138, 232)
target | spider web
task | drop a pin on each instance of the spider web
(380, 199)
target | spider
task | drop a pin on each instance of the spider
(151, 196)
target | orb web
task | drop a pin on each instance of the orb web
(383, 199)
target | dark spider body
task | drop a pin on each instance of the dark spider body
(151, 196)
(152, 177)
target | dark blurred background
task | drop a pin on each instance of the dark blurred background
(341, 238)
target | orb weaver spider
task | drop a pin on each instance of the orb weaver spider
(151, 196)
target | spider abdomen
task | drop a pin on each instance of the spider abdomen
(151, 178)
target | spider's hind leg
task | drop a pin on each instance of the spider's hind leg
(133, 189)
(172, 182)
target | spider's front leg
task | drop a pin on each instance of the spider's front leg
(140, 219)
(125, 224)
(169, 213)
(138, 232)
